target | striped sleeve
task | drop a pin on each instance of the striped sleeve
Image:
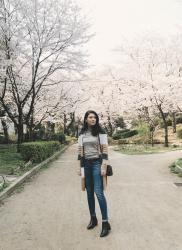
(104, 145)
(79, 147)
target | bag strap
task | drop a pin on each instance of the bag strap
(82, 144)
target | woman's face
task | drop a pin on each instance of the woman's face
(91, 119)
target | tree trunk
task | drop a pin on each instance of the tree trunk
(174, 121)
(5, 129)
(152, 138)
(71, 126)
(20, 129)
(20, 136)
(152, 130)
(110, 126)
(166, 143)
(30, 128)
(64, 123)
(110, 129)
(166, 135)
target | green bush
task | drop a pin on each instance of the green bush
(143, 129)
(123, 131)
(129, 134)
(117, 135)
(124, 134)
(59, 137)
(178, 119)
(179, 133)
(2, 139)
(38, 151)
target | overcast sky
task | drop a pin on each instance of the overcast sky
(114, 19)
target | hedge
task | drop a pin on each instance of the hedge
(38, 151)
(124, 135)
(178, 119)
(2, 139)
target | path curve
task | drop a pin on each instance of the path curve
(51, 211)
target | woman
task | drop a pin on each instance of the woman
(93, 157)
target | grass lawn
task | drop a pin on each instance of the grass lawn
(9, 159)
(133, 149)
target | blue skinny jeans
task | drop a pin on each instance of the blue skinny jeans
(94, 183)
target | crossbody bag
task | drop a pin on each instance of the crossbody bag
(109, 170)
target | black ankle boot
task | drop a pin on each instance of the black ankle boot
(93, 222)
(105, 228)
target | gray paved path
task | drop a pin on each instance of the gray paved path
(51, 212)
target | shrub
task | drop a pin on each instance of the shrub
(39, 132)
(118, 134)
(143, 129)
(2, 139)
(178, 119)
(38, 151)
(129, 134)
(59, 137)
(179, 133)
(124, 134)
(123, 131)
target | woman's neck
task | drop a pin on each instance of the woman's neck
(89, 128)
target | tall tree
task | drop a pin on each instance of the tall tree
(41, 38)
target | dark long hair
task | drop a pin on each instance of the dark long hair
(95, 129)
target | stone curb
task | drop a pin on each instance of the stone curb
(28, 174)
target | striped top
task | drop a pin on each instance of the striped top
(90, 144)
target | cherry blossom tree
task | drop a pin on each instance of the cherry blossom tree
(42, 38)
(154, 78)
